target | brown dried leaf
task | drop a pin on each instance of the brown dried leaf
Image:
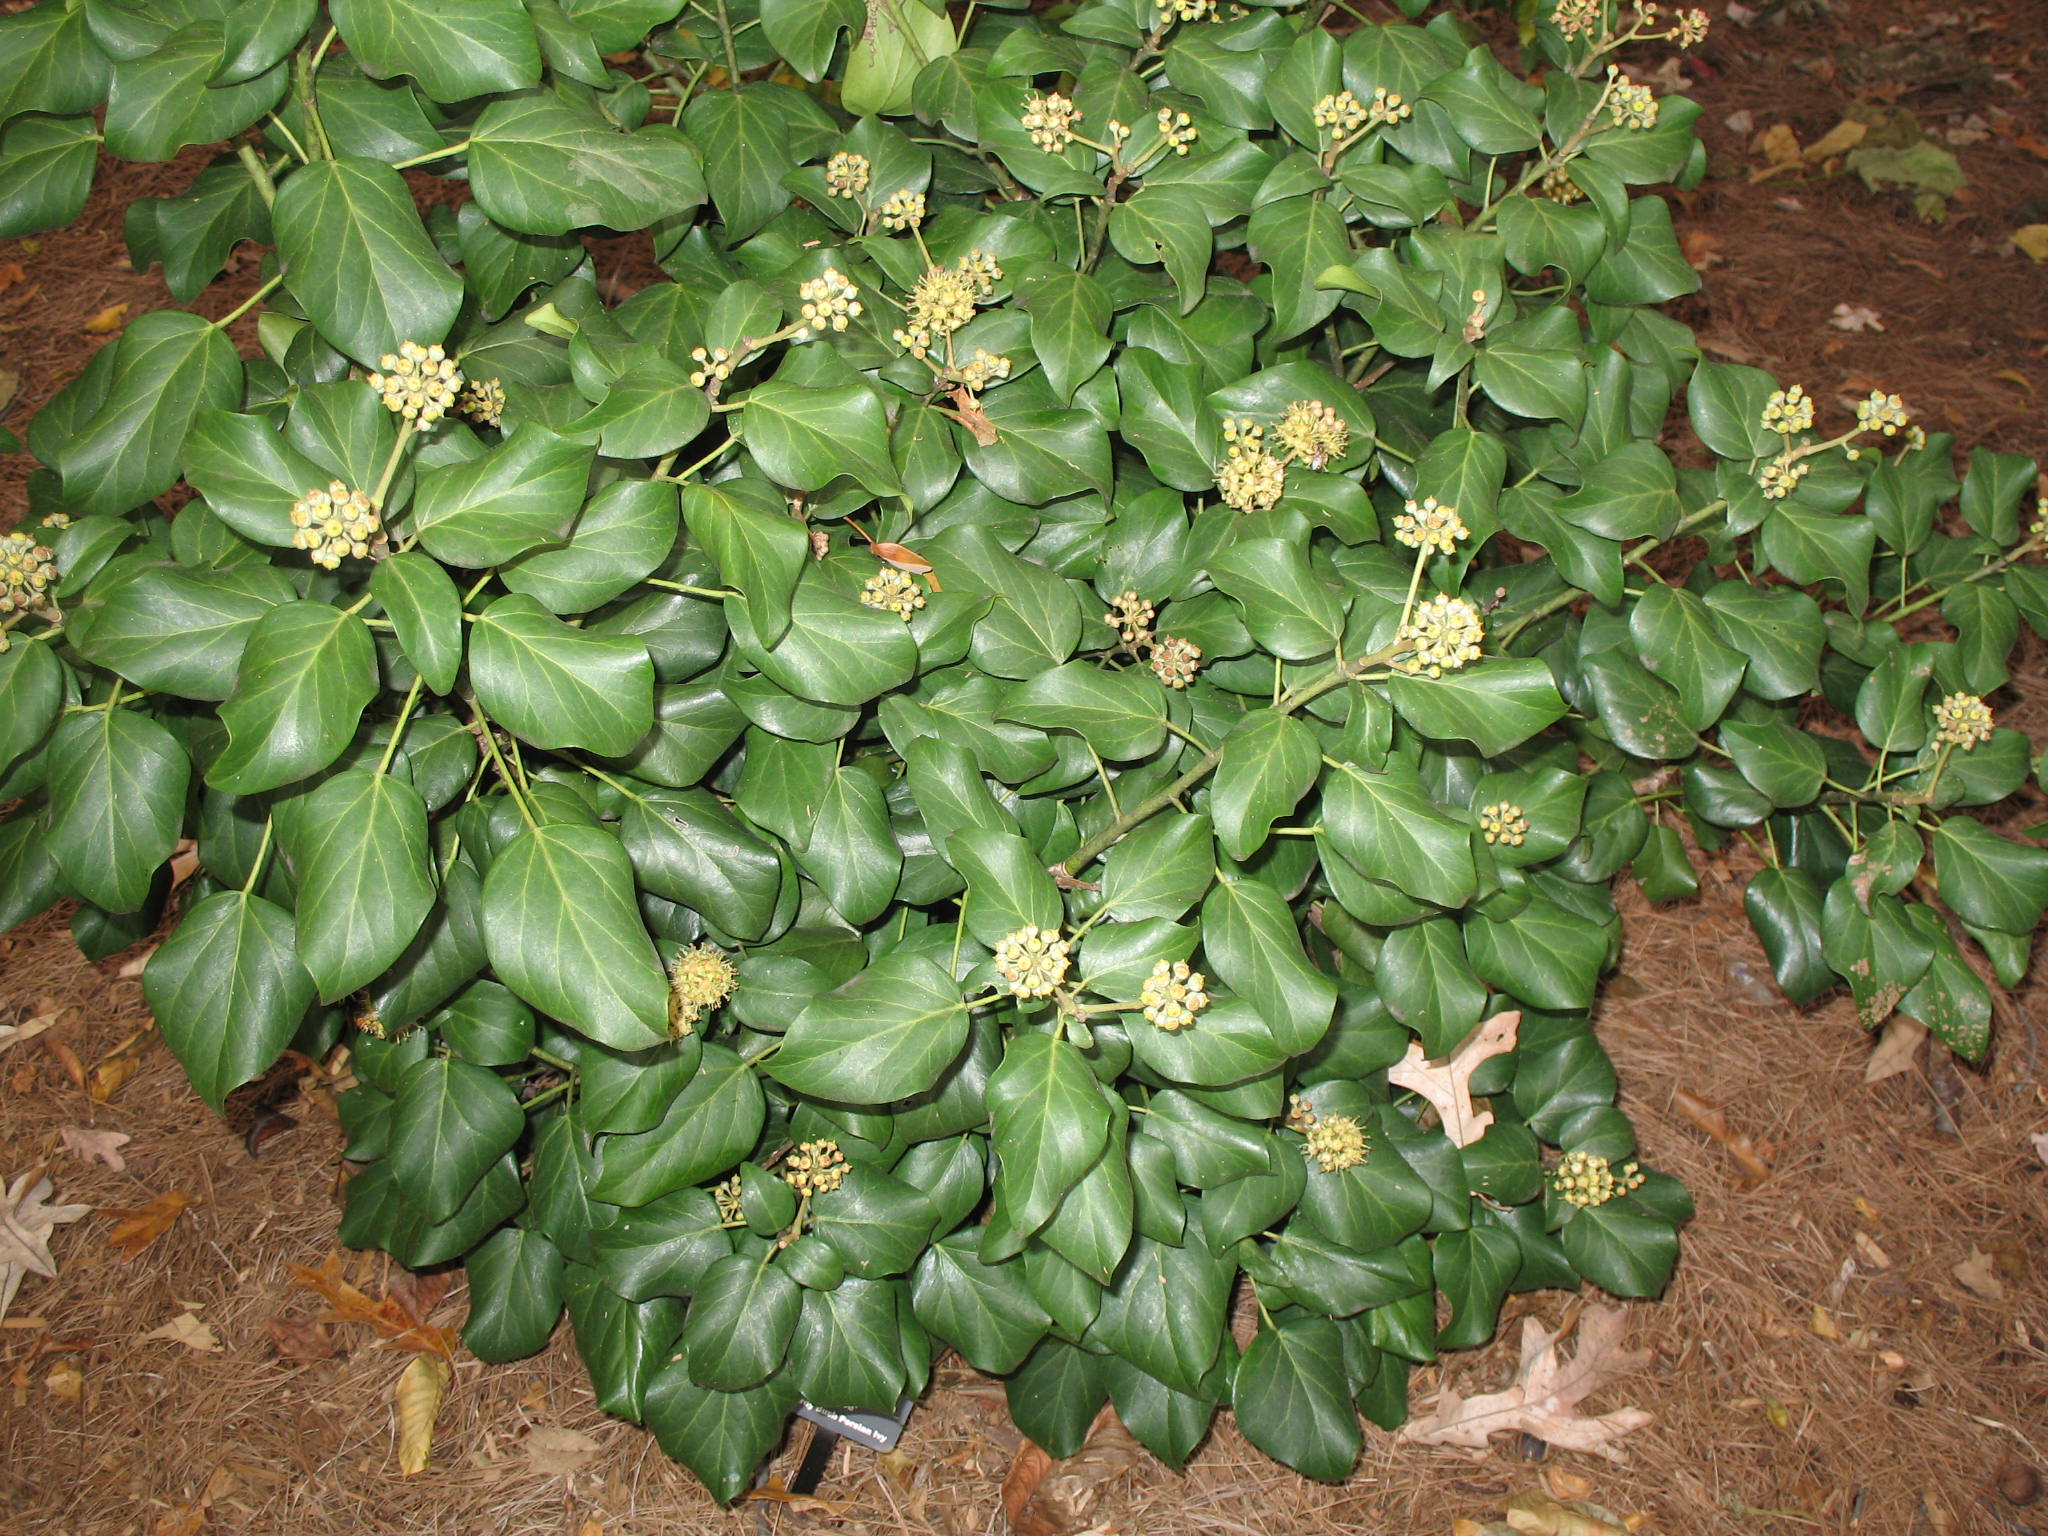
(180, 1520)
(66, 1383)
(1545, 1393)
(25, 1227)
(1043, 1497)
(104, 1145)
(1538, 1514)
(417, 1295)
(12, 1035)
(1979, 1275)
(118, 1065)
(1712, 1119)
(189, 1329)
(300, 1338)
(1838, 140)
(68, 1060)
(1896, 1046)
(555, 1452)
(421, 1387)
(1446, 1083)
(11, 273)
(134, 1230)
(349, 1305)
(775, 1491)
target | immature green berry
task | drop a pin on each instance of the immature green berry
(1503, 822)
(1429, 524)
(893, 591)
(714, 365)
(698, 982)
(1131, 617)
(828, 303)
(1881, 413)
(1341, 113)
(1962, 720)
(982, 370)
(1576, 16)
(483, 402)
(335, 523)
(1634, 106)
(1173, 995)
(418, 383)
(728, 1195)
(1788, 411)
(1177, 129)
(1781, 476)
(903, 210)
(1586, 1178)
(1250, 479)
(815, 1168)
(27, 572)
(1337, 1142)
(846, 175)
(1446, 632)
(1050, 120)
(1176, 661)
(1032, 960)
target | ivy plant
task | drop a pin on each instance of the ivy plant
(1032, 743)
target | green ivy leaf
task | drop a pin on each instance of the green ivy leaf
(489, 510)
(709, 1126)
(1050, 1125)
(365, 882)
(562, 931)
(1292, 1401)
(556, 686)
(1165, 1310)
(419, 597)
(1495, 704)
(167, 367)
(487, 46)
(1383, 822)
(1249, 937)
(886, 1034)
(544, 167)
(452, 1123)
(740, 1323)
(720, 1436)
(515, 1295)
(46, 168)
(181, 632)
(1120, 714)
(1987, 880)
(227, 991)
(983, 1310)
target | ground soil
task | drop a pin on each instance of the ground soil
(1819, 1364)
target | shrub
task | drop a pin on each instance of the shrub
(966, 769)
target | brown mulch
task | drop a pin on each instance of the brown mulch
(1819, 1365)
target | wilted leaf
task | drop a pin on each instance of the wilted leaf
(104, 1145)
(25, 1224)
(1446, 1083)
(1546, 1392)
(300, 1338)
(12, 1035)
(108, 320)
(1538, 1514)
(189, 1329)
(1712, 1119)
(394, 1325)
(2033, 240)
(1896, 1047)
(134, 1230)
(118, 1065)
(1978, 1275)
(417, 1397)
(66, 1383)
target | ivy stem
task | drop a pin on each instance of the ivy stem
(682, 474)
(1992, 568)
(438, 154)
(398, 726)
(302, 80)
(256, 864)
(258, 173)
(559, 1063)
(689, 591)
(405, 431)
(248, 304)
(483, 729)
(732, 56)
(1565, 599)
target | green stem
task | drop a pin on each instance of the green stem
(689, 591)
(398, 726)
(302, 80)
(256, 864)
(405, 431)
(258, 173)
(1565, 599)
(247, 304)
(439, 154)
(732, 57)
(560, 1064)
(483, 728)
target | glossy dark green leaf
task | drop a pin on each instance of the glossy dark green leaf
(365, 881)
(847, 1350)
(555, 686)
(983, 1310)
(740, 1323)
(1494, 704)
(1050, 1125)
(709, 1126)
(1292, 1401)
(227, 990)
(485, 511)
(886, 1034)
(515, 1295)
(358, 258)
(307, 673)
(877, 1224)
(1784, 907)
(49, 62)
(804, 437)
(1159, 869)
(1385, 824)
(1122, 715)
(180, 631)
(686, 846)
(1543, 954)
(1165, 1311)
(167, 367)
(1642, 712)
(1621, 1249)
(425, 610)
(1989, 880)
(167, 98)
(1250, 938)
(487, 46)
(545, 167)
(452, 1122)
(46, 167)
(563, 932)
(117, 801)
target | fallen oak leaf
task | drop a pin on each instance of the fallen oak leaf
(104, 1145)
(1896, 1046)
(349, 1305)
(420, 1389)
(25, 1226)
(1545, 1393)
(118, 1065)
(1447, 1083)
(189, 1329)
(134, 1230)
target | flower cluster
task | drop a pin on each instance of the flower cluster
(1586, 1178)
(418, 383)
(483, 402)
(815, 1168)
(1314, 432)
(903, 210)
(1335, 1142)
(1633, 106)
(1251, 479)
(1177, 129)
(1176, 661)
(943, 300)
(1033, 960)
(1781, 476)
(982, 370)
(1173, 995)
(714, 364)
(1050, 120)
(1576, 16)
(1881, 413)
(1341, 113)
(1131, 617)
(1692, 27)
(27, 571)
(1185, 10)
(1788, 411)
(1962, 720)
(698, 982)
(1503, 822)
(828, 303)
(1446, 632)
(728, 1196)
(335, 523)
(846, 175)
(1558, 186)
(2037, 530)
(1429, 524)
(893, 591)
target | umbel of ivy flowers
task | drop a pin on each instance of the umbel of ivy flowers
(938, 776)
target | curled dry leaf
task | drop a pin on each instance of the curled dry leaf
(417, 1397)
(556, 1451)
(1979, 1275)
(300, 1338)
(1896, 1046)
(1543, 1399)
(1538, 1514)
(134, 1230)
(66, 1383)
(104, 1145)
(775, 1491)
(1446, 1083)
(394, 1325)
(1713, 1119)
(12, 1035)
(1043, 1497)
(118, 1065)
(189, 1329)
